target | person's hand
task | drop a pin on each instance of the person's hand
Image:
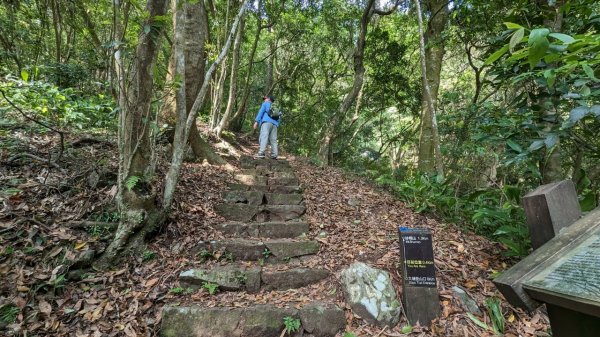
(255, 125)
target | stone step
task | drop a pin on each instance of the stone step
(251, 279)
(251, 179)
(259, 198)
(262, 213)
(268, 250)
(247, 162)
(275, 230)
(268, 173)
(266, 188)
(317, 319)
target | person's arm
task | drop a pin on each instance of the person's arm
(259, 116)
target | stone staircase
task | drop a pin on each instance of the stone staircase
(263, 212)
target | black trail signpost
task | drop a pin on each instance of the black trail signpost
(419, 295)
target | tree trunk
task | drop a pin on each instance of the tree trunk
(196, 35)
(136, 196)
(432, 55)
(551, 161)
(336, 121)
(238, 118)
(182, 130)
(56, 23)
(235, 63)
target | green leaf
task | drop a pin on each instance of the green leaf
(496, 55)
(588, 202)
(516, 38)
(536, 145)
(589, 71)
(566, 39)
(511, 25)
(578, 113)
(538, 45)
(514, 146)
(477, 321)
(406, 329)
(551, 140)
(595, 109)
(24, 75)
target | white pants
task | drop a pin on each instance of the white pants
(268, 133)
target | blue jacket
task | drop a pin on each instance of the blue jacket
(263, 116)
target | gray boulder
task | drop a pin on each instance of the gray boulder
(370, 293)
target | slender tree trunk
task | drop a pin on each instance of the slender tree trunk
(235, 63)
(432, 55)
(359, 71)
(551, 163)
(137, 197)
(56, 23)
(238, 118)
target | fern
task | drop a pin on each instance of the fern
(131, 182)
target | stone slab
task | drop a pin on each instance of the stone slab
(566, 243)
(549, 209)
(244, 197)
(242, 249)
(284, 249)
(292, 278)
(237, 212)
(283, 199)
(228, 278)
(284, 212)
(249, 179)
(282, 182)
(317, 319)
(275, 230)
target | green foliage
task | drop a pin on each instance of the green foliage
(180, 290)
(131, 182)
(291, 324)
(491, 212)
(58, 107)
(148, 255)
(9, 313)
(266, 253)
(205, 255)
(212, 288)
(349, 334)
(494, 310)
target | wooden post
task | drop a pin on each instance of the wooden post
(550, 208)
(419, 287)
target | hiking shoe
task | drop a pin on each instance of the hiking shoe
(261, 155)
(274, 158)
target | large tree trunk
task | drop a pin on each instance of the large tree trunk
(336, 121)
(235, 64)
(136, 196)
(186, 123)
(429, 143)
(196, 35)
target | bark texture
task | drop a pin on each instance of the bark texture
(136, 197)
(433, 43)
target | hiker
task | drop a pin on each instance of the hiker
(269, 122)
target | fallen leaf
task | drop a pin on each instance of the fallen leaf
(80, 245)
(45, 307)
(151, 282)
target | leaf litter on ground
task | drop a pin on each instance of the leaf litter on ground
(353, 219)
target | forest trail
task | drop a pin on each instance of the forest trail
(344, 219)
(352, 220)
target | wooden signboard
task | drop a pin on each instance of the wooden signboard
(420, 295)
